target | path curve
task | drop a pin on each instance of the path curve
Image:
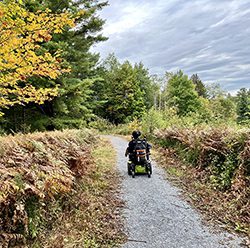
(157, 217)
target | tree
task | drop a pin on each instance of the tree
(146, 84)
(180, 93)
(22, 58)
(199, 86)
(214, 91)
(243, 105)
(157, 84)
(222, 108)
(121, 94)
(72, 107)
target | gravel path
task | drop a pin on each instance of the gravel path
(156, 216)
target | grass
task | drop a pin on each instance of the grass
(175, 172)
(91, 219)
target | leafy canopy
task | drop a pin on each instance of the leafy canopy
(181, 94)
(21, 35)
(124, 92)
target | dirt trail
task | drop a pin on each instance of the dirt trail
(157, 217)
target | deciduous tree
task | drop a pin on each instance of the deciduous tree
(73, 105)
(181, 94)
(122, 93)
(21, 57)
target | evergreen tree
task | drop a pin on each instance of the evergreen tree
(181, 94)
(243, 105)
(146, 84)
(199, 86)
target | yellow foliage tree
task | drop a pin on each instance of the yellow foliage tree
(21, 57)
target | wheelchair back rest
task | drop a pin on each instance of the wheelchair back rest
(140, 153)
(140, 150)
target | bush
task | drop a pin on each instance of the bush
(216, 150)
(127, 129)
(101, 125)
(214, 167)
(37, 170)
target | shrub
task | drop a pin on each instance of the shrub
(37, 170)
(216, 150)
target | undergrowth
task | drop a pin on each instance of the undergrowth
(91, 218)
(213, 165)
(55, 192)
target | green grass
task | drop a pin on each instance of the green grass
(175, 171)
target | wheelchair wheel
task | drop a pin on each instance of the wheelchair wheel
(133, 174)
(129, 170)
(149, 170)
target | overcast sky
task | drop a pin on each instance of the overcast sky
(207, 37)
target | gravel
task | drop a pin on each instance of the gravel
(156, 216)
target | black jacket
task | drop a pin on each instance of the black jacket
(132, 144)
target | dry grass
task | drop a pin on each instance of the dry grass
(92, 218)
(37, 173)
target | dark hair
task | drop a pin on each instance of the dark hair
(136, 134)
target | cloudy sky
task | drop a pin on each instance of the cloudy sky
(208, 37)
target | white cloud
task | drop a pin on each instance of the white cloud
(244, 67)
(207, 37)
(131, 17)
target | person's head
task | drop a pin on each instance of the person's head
(136, 134)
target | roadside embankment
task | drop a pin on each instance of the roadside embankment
(213, 165)
(57, 190)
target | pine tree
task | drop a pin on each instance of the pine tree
(199, 86)
(146, 84)
(243, 105)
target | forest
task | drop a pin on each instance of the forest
(51, 80)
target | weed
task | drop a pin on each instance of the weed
(175, 171)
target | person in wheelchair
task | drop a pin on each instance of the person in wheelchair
(137, 147)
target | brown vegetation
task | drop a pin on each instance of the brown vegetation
(50, 185)
(92, 216)
(36, 170)
(214, 167)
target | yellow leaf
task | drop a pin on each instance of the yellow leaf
(19, 60)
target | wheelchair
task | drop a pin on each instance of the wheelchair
(139, 163)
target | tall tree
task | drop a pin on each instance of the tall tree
(199, 86)
(146, 84)
(243, 105)
(181, 94)
(22, 57)
(122, 92)
(72, 107)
